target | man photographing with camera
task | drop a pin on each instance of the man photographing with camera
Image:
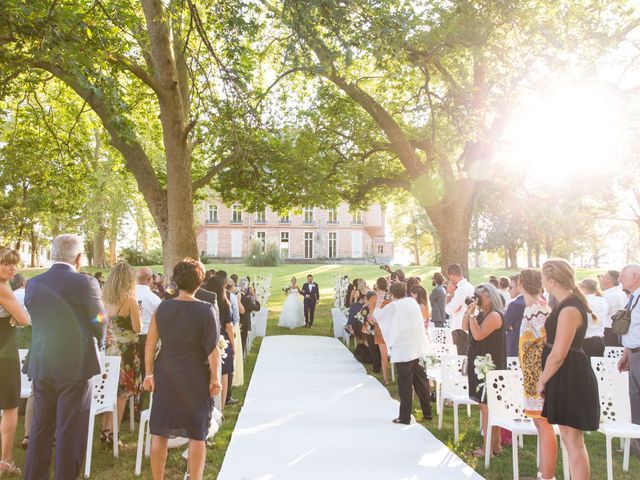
(458, 290)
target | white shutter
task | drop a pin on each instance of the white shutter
(212, 243)
(236, 243)
(356, 244)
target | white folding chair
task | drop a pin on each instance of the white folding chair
(440, 335)
(455, 387)
(433, 373)
(513, 363)
(261, 321)
(25, 381)
(104, 398)
(505, 404)
(336, 320)
(615, 408)
(613, 352)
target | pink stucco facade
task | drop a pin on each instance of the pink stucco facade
(315, 234)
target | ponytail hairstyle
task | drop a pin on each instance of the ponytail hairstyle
(562, 272)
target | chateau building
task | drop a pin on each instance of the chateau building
(316, 234)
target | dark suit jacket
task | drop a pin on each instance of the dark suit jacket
(250, 305)
(438, 299)
(68, 317)
(315, 294)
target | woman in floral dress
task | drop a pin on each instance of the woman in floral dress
(532, 341)
(122, 337)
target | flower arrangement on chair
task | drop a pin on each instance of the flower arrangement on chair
(483, 364)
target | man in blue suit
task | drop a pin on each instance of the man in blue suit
(68, 319)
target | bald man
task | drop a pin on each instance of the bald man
(148, 303)
(630, 361)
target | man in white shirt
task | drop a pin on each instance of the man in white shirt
(148, 303)
(18, 285)
(403, 329)
(593, 343)
(458, 290)
(630, 360)
(616, 300)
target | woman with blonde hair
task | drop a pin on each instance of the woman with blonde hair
(567, 382)
(531, 344)
(119, 296)
(11, 315)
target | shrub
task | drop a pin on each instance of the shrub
(136, 257)
(257, 257)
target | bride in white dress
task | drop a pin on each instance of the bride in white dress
(292, 315)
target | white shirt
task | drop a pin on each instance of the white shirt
(148, 303)
(403, 330)
(616, 300)
(506, 297)
(598, 306)
(19, 294)
(235, 312)
(456, 307)
(632, 338)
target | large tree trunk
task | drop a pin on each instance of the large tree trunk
(34, 247)
(452, 220)
(506, 255)
(537, 255)
(513, 254)
(99, 258)
(529, 254)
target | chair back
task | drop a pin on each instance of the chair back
(505, 395)
(613, 390)
(105, 384)
(613, 352)
(513, 363)
(441, 349)
(25, 381)
(453, 380)
(440, 335)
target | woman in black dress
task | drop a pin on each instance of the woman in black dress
(486, 336)
(11, 315)
(184, 375)
(568, 384)
(216, 285)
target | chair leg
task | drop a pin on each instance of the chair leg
(147, 443)
(132, 418)
(114, 421)
(627, 450)
(565, 462)
(440, 410)
(87, 461)
(393, 372)
(455, 422)
(514, 449)
(521, 440)
(469, 410)
(437, 397)
(609, 458)
(487, 450)
(537, 451)
(140, 446)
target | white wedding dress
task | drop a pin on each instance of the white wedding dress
(292, 315)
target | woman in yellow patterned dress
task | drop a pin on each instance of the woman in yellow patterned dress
(532, 340)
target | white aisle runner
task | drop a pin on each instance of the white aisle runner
(312, 412)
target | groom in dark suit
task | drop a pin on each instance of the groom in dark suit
(69, 322)
(311, 294)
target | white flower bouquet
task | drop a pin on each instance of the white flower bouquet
(430, 361)
(223, 343)
(481, 366)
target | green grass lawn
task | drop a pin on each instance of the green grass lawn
(105, 467)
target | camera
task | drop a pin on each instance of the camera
(476, 298)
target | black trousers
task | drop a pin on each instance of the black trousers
(593, 346)
(61, 408)
(309, 310)
(611, 339)
(461, 340)
(376, 361)
(411, 376)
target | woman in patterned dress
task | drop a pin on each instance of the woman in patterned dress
(532, 340)
(119, 295)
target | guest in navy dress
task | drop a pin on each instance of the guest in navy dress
(184, 375)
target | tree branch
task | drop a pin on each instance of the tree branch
(136, 69)
(213, 171)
